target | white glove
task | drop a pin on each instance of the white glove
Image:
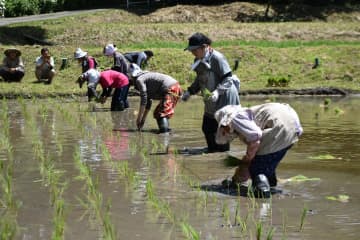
(214, 95)
(185, 96)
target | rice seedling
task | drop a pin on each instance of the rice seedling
(303, 216)
(94, 199)
(270, 233)
(189, 232)
(124, 170)
(6, 180)
(8, 226)
(226, 213)
(259, 229)
(150, 189)
(59, 215)
(327, 102)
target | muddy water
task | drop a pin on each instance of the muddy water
(328, 151)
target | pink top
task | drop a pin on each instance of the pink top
(113, 79)
(91, 62)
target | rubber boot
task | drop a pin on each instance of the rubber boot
(261, 186)
(272, 180)
(163, 125)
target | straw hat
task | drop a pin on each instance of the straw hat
(10, 50)
(79, 53)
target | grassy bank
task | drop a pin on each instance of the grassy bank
(265, 50)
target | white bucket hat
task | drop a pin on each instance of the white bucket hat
(79, 53)
(135, 70)
(109, 49)
(224, 116)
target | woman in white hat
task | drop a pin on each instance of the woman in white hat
(120, 62)
(12, 69)
(269, 130)
(87, 62)
(214, 80)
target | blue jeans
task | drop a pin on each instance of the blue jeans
(266, 164)
(119, 100)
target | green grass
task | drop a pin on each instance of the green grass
(265, 50)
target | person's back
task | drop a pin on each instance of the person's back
(139, 58)
(154, 84)
(113, 79)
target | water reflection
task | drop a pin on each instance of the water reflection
(327, 132)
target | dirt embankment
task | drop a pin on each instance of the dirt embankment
(251, 12)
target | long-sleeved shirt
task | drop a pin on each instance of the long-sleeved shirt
(275, 125)
(107, 79)
(13, 63)
(213, 72)
(88, 63)
(153, 85)
(120, 63)
(136, 57)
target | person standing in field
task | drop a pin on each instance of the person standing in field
(45, 66)
(13, 68)
(155, 86)
(269, 130)
(215, 81)
(87, 62)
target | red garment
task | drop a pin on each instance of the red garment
(113, 79)
(91, 62)
(167, 104)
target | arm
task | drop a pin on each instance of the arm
(92, 87)
(141, 59)
(222, 69)
(251, 149)
(143, 112)
(20, 67)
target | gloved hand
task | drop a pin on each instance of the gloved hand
(80, 81)
(214, 95)
(185, 96)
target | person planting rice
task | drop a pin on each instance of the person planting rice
(155, 86)
(87, 62)
(108, 80)
(215, 81)
(269, 130)
(140, 58)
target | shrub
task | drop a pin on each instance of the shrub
(15, 8)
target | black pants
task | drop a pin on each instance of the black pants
(11, 77)
(209, 128)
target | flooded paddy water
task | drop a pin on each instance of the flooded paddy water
(74, 170)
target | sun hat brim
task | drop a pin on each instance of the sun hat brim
(8, 51)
